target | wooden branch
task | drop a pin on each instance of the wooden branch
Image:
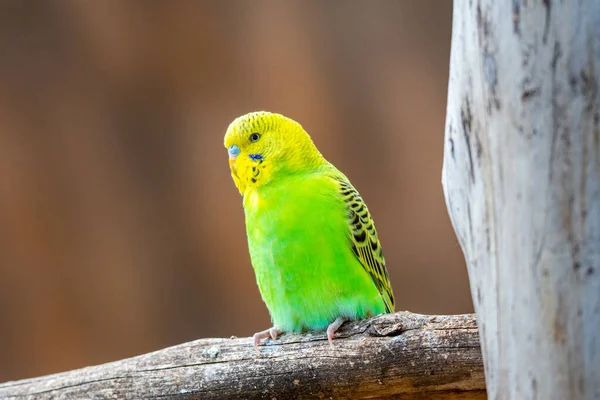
(521, 178)
(416, 356)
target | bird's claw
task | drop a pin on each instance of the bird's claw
(332, 328)
(266, 334)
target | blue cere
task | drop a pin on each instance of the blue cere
(233, 150)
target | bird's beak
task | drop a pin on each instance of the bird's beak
(232, 166)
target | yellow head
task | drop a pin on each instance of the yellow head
(263, 147)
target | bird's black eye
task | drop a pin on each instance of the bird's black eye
(254, 137)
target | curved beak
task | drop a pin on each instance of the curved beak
(232, 166)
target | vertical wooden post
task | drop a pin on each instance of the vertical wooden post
(522, 183)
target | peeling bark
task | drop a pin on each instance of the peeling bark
(401, 355)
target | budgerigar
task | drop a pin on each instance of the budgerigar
(313, 245)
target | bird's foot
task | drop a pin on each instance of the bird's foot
(267, 333)
(334, 326)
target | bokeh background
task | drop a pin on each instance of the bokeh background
(121, 231)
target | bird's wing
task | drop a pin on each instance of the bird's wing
(364, 241)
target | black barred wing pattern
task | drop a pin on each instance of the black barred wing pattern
(364, 241)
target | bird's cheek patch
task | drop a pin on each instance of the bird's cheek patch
(255, 157)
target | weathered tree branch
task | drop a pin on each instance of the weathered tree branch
(522, 183)
(412, 355)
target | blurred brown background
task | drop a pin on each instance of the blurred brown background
(121, 231)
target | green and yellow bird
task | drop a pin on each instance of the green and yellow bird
(313, 245)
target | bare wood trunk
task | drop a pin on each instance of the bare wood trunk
(522, 183)
(415, 356)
